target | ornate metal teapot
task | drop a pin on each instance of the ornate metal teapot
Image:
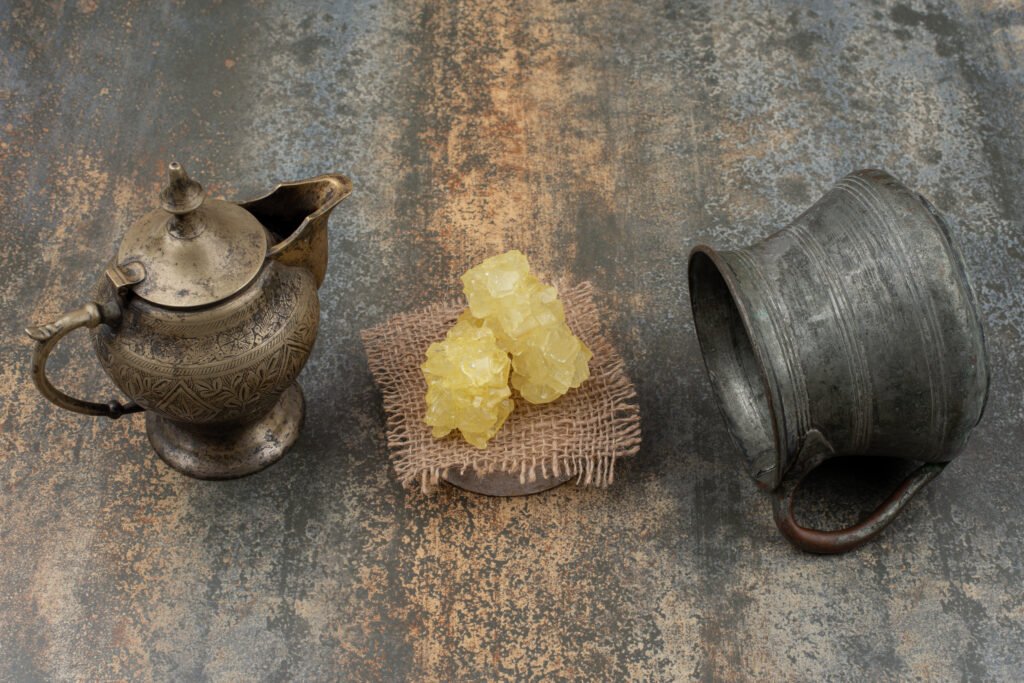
(205, 319)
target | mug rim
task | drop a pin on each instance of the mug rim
(765, 478)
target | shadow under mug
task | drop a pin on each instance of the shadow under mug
(852, 331)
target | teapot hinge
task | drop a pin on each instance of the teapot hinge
(126, 275)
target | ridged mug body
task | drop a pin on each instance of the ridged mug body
(852, 331)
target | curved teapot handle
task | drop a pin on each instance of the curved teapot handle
(845, 540)
(47, 336)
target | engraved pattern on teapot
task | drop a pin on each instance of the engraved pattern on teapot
(217, 367)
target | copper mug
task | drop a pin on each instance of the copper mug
(853, 331)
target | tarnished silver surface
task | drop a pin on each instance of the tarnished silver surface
(603, 139)
(205, 320)
(853, 331)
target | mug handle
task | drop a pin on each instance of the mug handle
(47, 336)
(845, 540)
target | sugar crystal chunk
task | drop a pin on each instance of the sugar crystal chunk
(514, 323)
(529, 323)
(467, 383)
(548, 362)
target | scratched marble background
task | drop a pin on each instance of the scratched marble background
(603, 138)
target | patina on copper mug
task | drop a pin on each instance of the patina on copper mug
(853, 331)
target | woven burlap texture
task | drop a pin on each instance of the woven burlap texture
(581, 434)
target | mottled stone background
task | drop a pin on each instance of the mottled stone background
(604, 139)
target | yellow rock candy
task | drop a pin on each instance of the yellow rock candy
(467, 383)
(511, 314)
(548, 362)
(529, 323)
(511, 300)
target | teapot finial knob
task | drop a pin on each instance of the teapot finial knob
(182, 194)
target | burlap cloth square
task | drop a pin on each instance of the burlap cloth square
(582, 433)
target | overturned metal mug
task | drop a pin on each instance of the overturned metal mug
(853, 331)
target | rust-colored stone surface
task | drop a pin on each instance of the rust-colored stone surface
(602, 139)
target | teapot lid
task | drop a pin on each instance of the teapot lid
(192, 251)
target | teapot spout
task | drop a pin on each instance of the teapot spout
(296, 215)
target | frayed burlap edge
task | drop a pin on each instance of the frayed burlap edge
(582, 434)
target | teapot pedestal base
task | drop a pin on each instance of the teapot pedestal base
(219, 452)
